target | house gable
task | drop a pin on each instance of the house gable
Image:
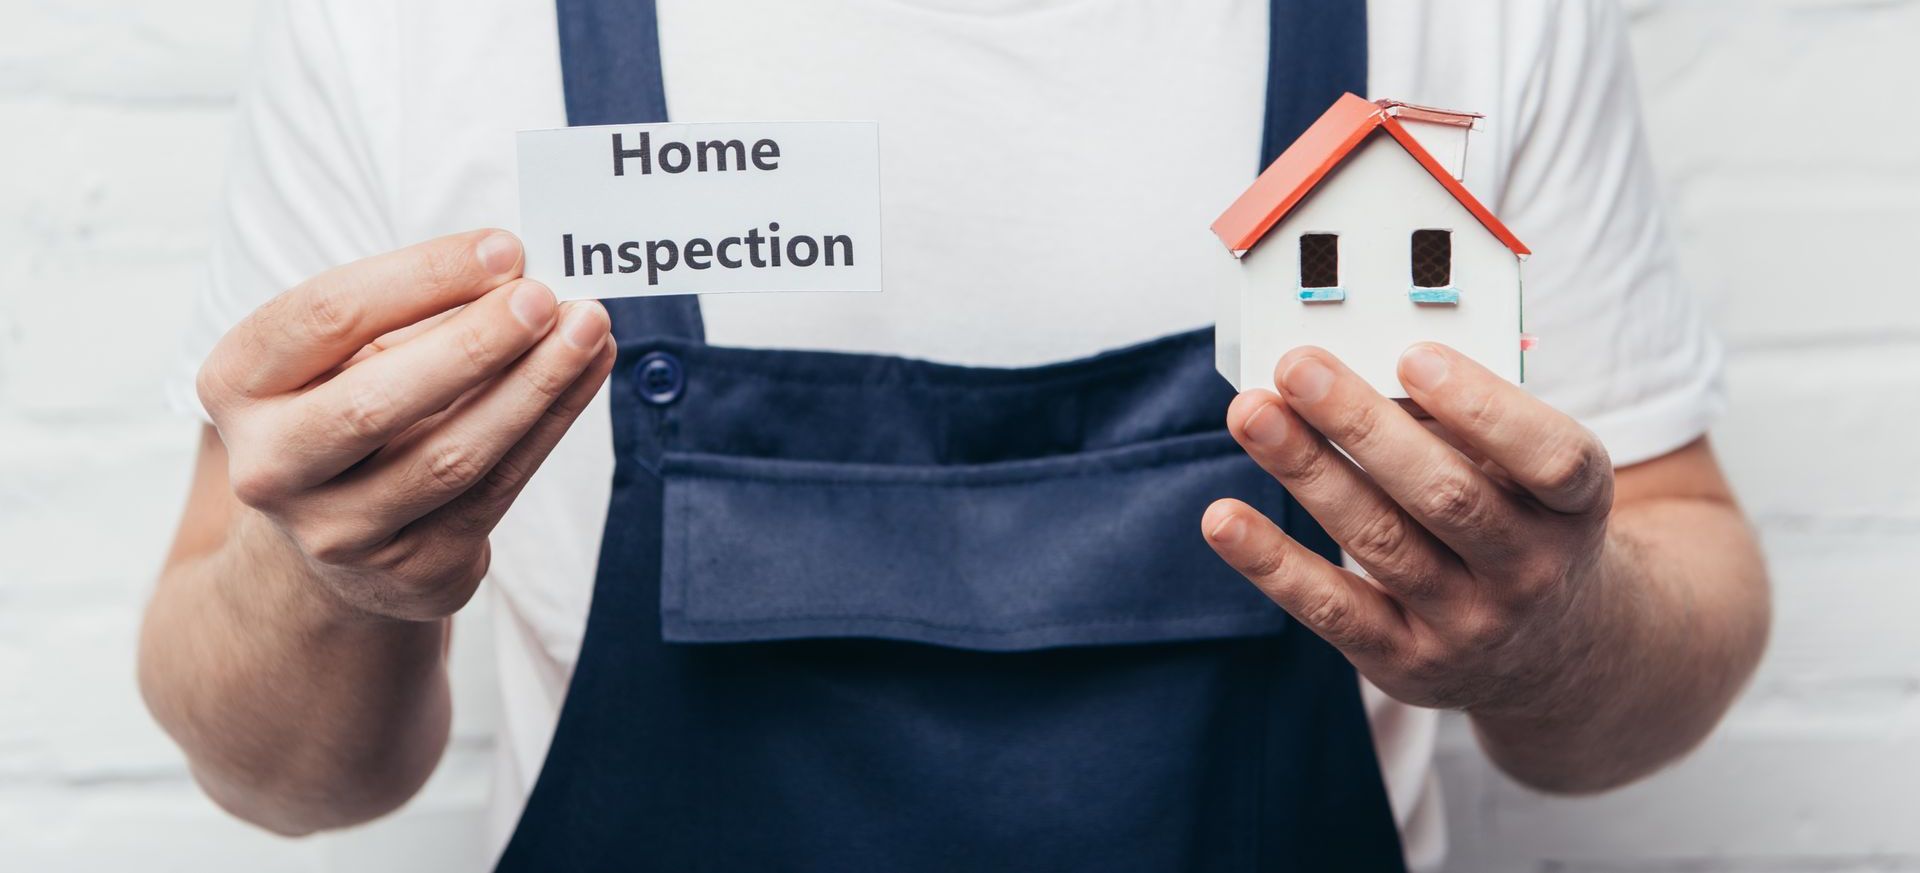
(1330, 141)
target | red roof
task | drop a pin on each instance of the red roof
(1293, 175)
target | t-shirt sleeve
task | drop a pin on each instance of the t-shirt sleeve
(305, 180)
(1623, 344)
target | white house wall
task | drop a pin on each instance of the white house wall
(1226, 323)
(1374, 201)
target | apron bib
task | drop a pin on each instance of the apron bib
(863, 613)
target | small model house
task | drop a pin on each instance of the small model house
(1361, 239)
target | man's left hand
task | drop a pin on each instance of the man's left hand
(1483, 529)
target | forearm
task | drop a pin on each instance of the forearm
(1676, 621)
(296, 713)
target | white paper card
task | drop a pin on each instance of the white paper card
(626, 210)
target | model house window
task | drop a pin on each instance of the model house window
(1432, 258)
(1320, 267)
(1319, 260)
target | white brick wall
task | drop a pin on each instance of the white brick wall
(1792, 171)
(1786, 138)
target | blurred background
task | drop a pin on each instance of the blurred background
(1789, 147)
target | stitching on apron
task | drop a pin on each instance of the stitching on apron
(843, 616)
(876, 371)
(1187, 449)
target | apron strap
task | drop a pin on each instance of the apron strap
(1316, 51)
(610, 68)
(610, 62)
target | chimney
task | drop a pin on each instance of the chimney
(1442, 132)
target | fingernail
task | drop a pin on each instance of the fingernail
(533, 304)
(1423, 368)
(1308, 379)
(1266, 425)
(583, 328)
(1228, 532)
(498, 252)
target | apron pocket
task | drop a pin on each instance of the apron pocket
(1094, 548)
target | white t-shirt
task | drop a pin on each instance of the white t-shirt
(1052, 133)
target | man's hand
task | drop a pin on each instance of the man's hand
(1495, 580)
(383, 435)
(373, 425)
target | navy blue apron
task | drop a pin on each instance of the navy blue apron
(863, 613)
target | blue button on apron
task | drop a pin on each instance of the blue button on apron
(860, 613)
(660, 378)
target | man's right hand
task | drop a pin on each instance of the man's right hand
(381, 417)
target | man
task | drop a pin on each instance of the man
(854, 611)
